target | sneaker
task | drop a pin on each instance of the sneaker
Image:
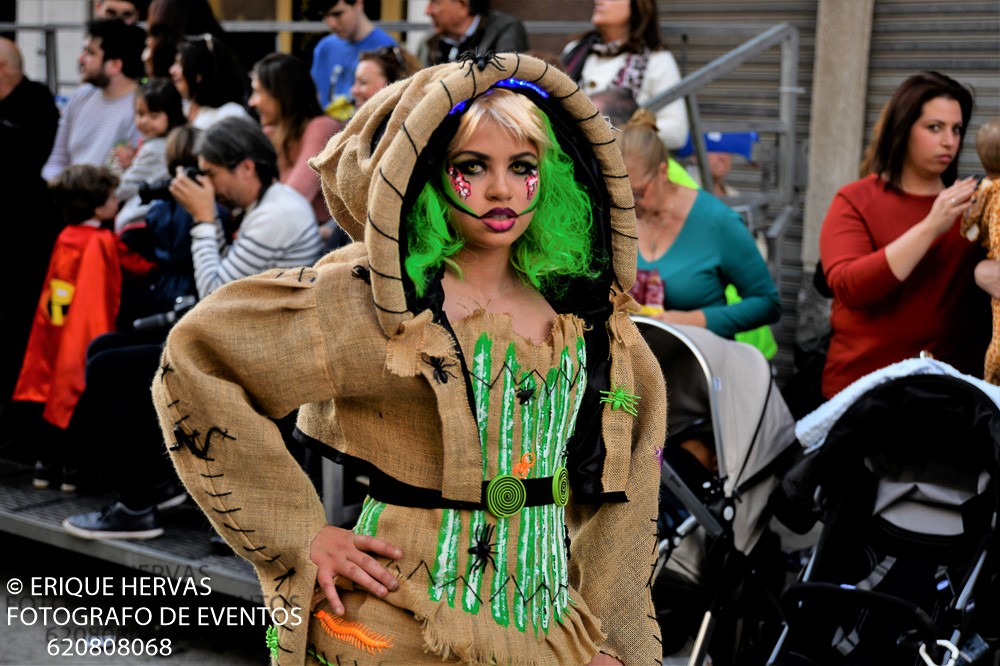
(71, 479)
(46, 475)
(115, 521)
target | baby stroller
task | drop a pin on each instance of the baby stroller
(902, 469)
(719, 568)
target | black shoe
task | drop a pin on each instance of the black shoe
(115, 521)
(47, 475)
(72, 479)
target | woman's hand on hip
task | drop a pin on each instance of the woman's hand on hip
(601, 659)
(340, 552)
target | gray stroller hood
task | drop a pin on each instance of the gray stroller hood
(730, 384)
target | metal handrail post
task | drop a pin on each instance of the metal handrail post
(698, 141)
(51, 61)
(788, 92)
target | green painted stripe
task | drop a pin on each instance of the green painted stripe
(451, 573)
(482, 368)
(505, 451)
(473, 573)
(560, 571)
(551, 422)
(445, 562)
(363, 516)
(544, 567)
(499, 590)
(374, 512)
(581, 381)
(562, 411)
(525, 547)
(528, 420)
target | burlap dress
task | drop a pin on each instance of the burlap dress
(491, 584)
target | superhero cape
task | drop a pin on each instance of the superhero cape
(79, 301)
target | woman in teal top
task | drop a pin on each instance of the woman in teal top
(691, 247)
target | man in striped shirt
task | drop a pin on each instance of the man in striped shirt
(239, 168)
(99, 118)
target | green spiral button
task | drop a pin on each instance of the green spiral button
(505, 495)
(560, 487)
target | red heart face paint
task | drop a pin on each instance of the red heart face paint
(461, 186)
(531, 184)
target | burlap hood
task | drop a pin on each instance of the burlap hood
(373, 169)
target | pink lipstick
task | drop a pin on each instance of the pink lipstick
(499, 219)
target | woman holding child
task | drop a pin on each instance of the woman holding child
(900, 271)
(475, 353)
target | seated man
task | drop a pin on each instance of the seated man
(469, 25)
(278, 229)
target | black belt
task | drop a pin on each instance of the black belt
(502, 496)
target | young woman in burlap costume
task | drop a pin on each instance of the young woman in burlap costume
(513, 457)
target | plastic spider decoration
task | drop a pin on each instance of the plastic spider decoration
(525, 394)
(484, 550)
(480, 60)
(440, 366)
(620, 398)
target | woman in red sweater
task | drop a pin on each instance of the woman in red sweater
(901, 274)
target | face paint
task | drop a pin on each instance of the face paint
(531, 184)
(461, 186)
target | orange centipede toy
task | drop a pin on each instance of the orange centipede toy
(354, 633)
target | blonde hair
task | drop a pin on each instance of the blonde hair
(988, 145)
(639, 142)
(516, 115)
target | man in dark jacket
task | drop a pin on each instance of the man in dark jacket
(28, 122)
(469, 25)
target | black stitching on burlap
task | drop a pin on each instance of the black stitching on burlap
(237, 529)
(375, 227)
(384, 275)
(284, 577)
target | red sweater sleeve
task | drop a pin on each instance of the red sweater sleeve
(854, 261)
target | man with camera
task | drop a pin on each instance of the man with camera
(239, 168)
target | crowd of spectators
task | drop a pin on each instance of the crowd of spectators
(209, 195)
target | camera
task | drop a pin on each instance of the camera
(160, 189)
(166, 319)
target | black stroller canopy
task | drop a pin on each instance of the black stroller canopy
(941, 426)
